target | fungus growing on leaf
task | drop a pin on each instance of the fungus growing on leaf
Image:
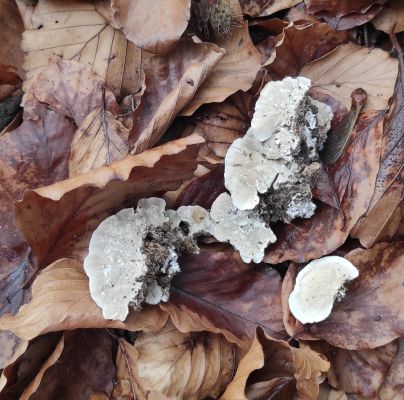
(272, 165)
(243, 229)
(133, 254)
(318, 285)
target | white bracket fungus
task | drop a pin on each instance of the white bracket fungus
(278, 151)
(318, 285)
(243, 229)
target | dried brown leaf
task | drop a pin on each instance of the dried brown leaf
(182, 71)
(153, 26)
(369, 316)
(353, 177)
(278, 5)
(236, 70)
(52, 359)
(328, 393)
(11, 347)
(382, 218)
(178, 365)
(392, 16)
(100, 140)
(75, 30)
(219, 293)
(61, 300)
(345, 14)
(58, 220)
(350, 66)
(8, 76)
(85, 368)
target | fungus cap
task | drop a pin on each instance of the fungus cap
(317, 286)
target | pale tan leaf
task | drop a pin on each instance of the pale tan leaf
(61, 301)
(177, 365)
(235, 71)
(52, 359)
(3, 381)
(74, 30)
(391, 16)
(99, 140)
(152, 25)
(254, 359)
(11, 347)
(349, 67)
(328, 393)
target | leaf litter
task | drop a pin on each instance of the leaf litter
(130, 100)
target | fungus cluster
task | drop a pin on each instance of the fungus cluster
(133, 255)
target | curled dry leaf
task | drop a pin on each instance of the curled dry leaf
(8, 76)
(51, 360)
(353, 178)
(11, 347)
(58, 220)
(153, 26)
(84, 369)
(75, 30)
(382, 218)
(328, 393)
(219, 293)
(350, 66)
(236, 70)
(297, 44)
(100, 140)
(61, 301)
(182, 71)
(362, 371)
(178, 365)
(345, 14)
(369, 316)
(391, 17)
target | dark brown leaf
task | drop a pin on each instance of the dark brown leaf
(217, 292)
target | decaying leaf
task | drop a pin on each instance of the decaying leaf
(51, 360)
(353, 177)
(219, 293)
(345, 14)
(392, 16)
(236, 70)
(57, 220)
(11, 347)
(75, 30)
(369, 316)
(178, 365)
(183, 70)
(153, 26)
(382, 218)
(350, 66)
(100, 140)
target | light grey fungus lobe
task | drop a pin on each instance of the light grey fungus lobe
(271, 167)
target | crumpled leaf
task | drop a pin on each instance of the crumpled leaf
(236, 70)
(382, 218)
(178, 365)
(393, 385)
(84, 369)
(58, 220)
(61, 300)
(153, 26)
(392, 16)
(182, 71)
(351, 66)
(296, 45)
(360, 371)
(75, 30)
(369, 315)
(345, 14)
(219, 293)
(11, 347)
(51, 360)
(285, 371)
(354, 178)
(100, 140)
